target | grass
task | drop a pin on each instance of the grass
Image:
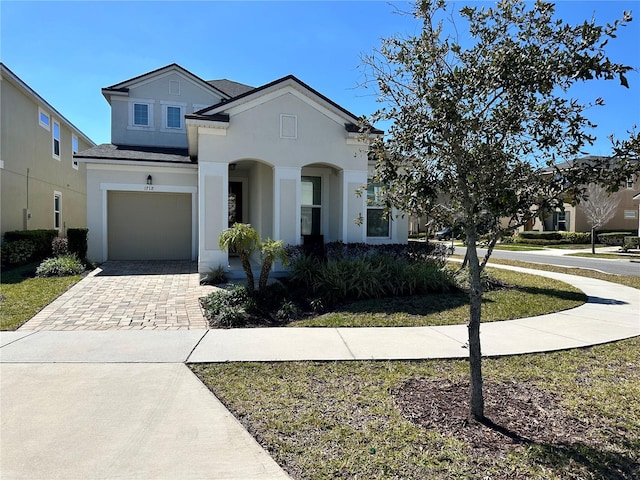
(532, 295)
(22, 295)
(628, 280)
(339, 419)
(517, 247)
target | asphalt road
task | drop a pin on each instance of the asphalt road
(615, 266)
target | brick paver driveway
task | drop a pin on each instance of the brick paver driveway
(129, 295)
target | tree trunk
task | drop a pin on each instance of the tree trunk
(264, 273)
(593, 240)
(476, 407)
(246, 266)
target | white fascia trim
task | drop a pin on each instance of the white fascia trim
(211, 90)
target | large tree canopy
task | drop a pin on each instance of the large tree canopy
(474, 125)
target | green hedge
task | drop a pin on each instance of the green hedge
(554, 238)
(535, 235)
(78, 241)
(40, 239)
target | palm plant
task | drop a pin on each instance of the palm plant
(244, 240)
(270, 251)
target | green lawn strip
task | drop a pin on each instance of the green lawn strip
(515, 247)
(21, 296)
(339, 419)
(533, 295)
(628, 280)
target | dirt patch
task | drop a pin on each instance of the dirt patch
(516, 413)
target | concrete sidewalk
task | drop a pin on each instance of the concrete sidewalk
(121, 403)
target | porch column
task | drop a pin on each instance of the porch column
(286, 204)
(213, 214)
(354, 206)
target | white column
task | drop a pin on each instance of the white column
(354, 206)
(286, 204)
(213, 214)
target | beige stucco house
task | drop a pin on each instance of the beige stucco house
(42, 185)
(190, 157)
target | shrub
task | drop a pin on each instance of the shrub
(60, 246)
(229, 307)
(41, 239)
(60, 267)
(576, 237)
(535, 235)
(508, 239)
(216, 276)
(17, 252)
(78, 241)
(614, 238)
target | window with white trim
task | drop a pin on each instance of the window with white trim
(74, 150)
(55, 136)
(140, 114)
(630, 214)
(57, 210)
(173, 116)
(311, 206)
(377, 222)
(44, 119)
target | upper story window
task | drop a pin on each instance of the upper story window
(629, 183)
(74, 150)
(140, 114)
(174, 119)
(56, 140)
(172, 116)
(44, 119)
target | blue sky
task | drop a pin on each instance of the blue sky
(68, 51)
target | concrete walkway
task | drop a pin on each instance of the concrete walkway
(121, 403)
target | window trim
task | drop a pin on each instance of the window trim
(54, 140)
(57, 214)
(41, 113)
(165, 117)
(74, 150)
(150, 118)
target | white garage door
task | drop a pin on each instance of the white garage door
(148, 226)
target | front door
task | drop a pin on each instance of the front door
(235, 203)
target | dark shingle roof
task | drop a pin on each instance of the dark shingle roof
(108, 151)
(231, 88)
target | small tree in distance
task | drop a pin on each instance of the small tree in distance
(474, 126)
(599, 207)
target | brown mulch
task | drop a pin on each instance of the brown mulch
(516, 414)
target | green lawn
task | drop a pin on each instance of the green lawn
(322, 420)
(517, 247)
(532, 295)
(603, 255)
(22, 295)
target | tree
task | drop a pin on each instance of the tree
(244, 240)
(476, 124)
(270, 251)
(599, 207)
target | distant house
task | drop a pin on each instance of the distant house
(42, 185)
(190, 157)
(573, 218)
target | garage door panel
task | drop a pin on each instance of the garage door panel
(149, 226)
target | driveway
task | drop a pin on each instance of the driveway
(160, 295)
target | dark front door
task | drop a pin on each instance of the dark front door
(235, 203)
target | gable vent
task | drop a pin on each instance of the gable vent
(174, 87)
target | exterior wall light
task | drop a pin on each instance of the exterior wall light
(149, 180)
(232, 166)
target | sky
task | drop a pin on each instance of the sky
(68, 51)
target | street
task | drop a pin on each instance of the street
(615, 266)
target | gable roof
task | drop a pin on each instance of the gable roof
(123, 87)
(351, 125)
(108, 151)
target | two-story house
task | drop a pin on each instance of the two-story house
(190, 157)
(42, 185)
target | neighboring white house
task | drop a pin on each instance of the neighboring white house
(189, 158)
